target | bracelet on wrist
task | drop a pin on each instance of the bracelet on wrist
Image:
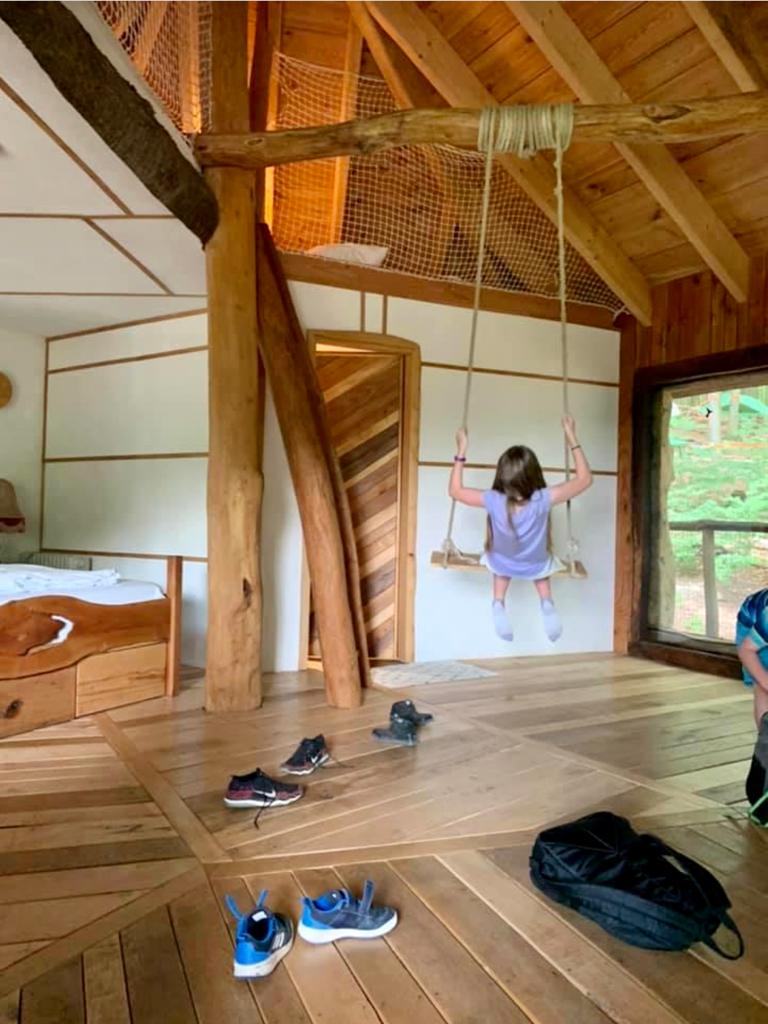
(459, 458)
(574, 447)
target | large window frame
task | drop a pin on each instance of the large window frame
(711, 372)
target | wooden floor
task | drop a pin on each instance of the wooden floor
(116, 852)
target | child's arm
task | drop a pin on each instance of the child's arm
(750, 659)
(456, 488)
(582, 478)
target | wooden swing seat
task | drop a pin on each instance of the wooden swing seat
(470, 561)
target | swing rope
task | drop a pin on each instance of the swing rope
(523, 130)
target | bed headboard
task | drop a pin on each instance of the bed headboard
(53, 560)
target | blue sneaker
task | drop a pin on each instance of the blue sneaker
(338, 915)
(263, 939)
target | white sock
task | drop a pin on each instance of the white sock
(501, 622)
(553, 627)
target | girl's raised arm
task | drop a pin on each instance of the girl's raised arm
(582, 478)
(456, 489)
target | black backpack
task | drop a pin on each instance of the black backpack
(631, 884)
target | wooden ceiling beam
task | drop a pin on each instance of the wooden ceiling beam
(738, 42)
(433, 55)
(680, 121)
(577, 63)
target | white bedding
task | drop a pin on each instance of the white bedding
(18, 582)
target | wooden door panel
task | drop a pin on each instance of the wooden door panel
(364, 399)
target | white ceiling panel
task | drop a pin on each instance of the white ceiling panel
(24, 75)
(64, 314)
(37, 175)
(166, 247)
(48, 255)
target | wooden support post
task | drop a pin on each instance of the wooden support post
(173, 592)
(233, 669)
(317, 481)
(711, 610)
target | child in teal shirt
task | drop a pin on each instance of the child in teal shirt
(752, 646)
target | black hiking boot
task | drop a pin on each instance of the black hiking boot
(399, 730)
(407, 710)
(757, 780)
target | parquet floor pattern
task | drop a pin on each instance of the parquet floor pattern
(116, 852)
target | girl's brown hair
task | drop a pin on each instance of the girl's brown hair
(518, 477)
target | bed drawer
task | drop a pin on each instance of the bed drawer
(120, 677)
(33, 701)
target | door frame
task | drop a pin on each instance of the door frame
(410, 422)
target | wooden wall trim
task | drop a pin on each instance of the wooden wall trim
(314, 270)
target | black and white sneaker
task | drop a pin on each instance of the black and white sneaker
(259, 790)
(407, 709)
(309, 755)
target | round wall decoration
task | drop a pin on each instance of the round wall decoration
(6, 390)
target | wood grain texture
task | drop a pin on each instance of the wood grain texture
(120, 677)
(317, 480)
(233, 657)
(97, 628)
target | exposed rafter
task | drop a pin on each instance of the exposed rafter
(577, 63)
(417, 36)
(738, 34)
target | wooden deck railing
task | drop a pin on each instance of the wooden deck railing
(707, 528)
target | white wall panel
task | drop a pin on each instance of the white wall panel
(442, 332)
(508, 410)
(51, 315)
(328, 309)
(37, 176)
(47, 255)
(152, 506)
(125, 342)
(153, 406)
(166, 247)
(22, 359)
(281, 557)
(194, 597)
(526, 345)
(453, 609)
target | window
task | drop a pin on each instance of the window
(706, 471)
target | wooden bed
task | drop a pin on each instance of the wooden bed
(114, 655)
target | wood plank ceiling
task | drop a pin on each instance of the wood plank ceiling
(646, 51)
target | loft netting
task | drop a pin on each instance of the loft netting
(169, 44)
(419, 203)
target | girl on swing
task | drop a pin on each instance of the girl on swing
(518, 504)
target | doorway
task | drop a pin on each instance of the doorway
(371, 386)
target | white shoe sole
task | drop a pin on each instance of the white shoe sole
(261, 970)
(320, 936)
(305, 771)
(263, 803)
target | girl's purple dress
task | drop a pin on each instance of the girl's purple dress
(519, 542)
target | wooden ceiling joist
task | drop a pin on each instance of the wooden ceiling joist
(577, 63)
(740, 42)
(433, 55)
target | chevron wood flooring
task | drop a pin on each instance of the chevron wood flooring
(116, 852)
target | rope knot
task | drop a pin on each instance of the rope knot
(525, 129)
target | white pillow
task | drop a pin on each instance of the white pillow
(350, 252)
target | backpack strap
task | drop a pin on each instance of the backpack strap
(703, 878)
(731, 925)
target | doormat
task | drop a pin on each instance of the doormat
(396, 676)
